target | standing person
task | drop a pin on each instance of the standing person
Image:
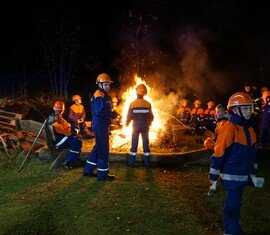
(140, 112)
(264, 135)
(222, 116)
(77, 115)
(65, 136)
(234, 158)
(101, 120)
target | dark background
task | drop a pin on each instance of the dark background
(204, 49)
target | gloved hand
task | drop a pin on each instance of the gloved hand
(258, 182)
(51, 119)
(212, 188)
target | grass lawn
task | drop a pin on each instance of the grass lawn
(162, 200)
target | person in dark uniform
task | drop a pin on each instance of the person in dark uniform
(234, 159)
(140, 112)
(65, 136)
(264, 127)
(101, 120)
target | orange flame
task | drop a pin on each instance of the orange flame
(123, 136)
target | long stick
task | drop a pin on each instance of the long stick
(30, 150)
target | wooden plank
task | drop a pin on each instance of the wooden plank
(11, 114)
(7, 121)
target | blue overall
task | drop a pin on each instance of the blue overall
(101, 120)
(140, 112)
(72, 142)
(234, 160)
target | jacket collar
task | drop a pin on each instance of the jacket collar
(235, 119)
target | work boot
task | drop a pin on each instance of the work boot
(80, 162)
(68, 165)
(131, 161)
(147, 162)
(107, 178)
(94, 175)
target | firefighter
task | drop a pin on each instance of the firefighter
(65, 136)
(140, 112)
(249, 89)
(221, 116)
(263, 89)
(183, 112)
(196, 117)
(101, 120)
(208, 120)
(116, 114)
(234, 158)
(264, 135)
(77, 115)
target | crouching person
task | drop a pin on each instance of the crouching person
(65, 136)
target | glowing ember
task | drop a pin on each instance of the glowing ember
(123, 136)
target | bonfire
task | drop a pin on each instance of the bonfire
(161, 137)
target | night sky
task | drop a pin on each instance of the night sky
(207, 48)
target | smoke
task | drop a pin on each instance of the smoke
(175, 70)
(197, 70)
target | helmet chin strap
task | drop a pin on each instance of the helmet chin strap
(100, 84)
(239, 112)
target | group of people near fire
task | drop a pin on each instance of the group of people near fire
(234, 144)
(69, 133)
(197, 119)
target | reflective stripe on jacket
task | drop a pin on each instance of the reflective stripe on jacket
(234, 153)
(140, 112)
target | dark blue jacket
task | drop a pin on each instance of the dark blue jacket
(101, 109)
(234, 157)
(265, 118)
(140, 112)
